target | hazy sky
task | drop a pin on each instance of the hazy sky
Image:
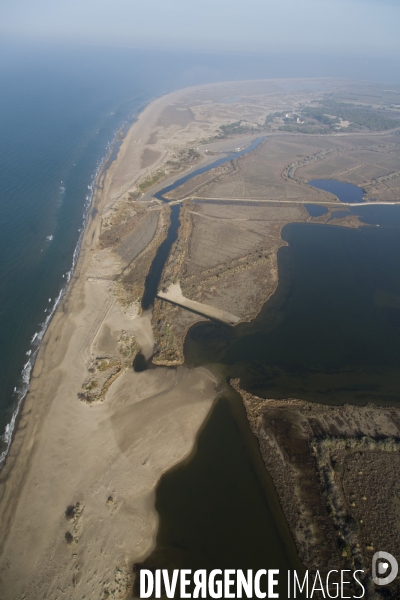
(359, 27)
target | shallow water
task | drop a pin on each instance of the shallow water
(330, 334)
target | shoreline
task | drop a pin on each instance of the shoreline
(98, 177)
(52, 417)
(26, 372)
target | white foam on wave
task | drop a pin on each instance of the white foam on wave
(21, 391)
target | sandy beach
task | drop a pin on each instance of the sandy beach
(94, 437)
(104, 459)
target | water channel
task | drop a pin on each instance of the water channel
(154, 275)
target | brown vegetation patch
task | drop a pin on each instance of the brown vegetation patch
(225, 256)
(170, 325)
(119, 587)
(258, 175)
(222, 233)
(336, 470)
(138, 239)
(118, 221)
(195, 185)
(153, 139)
(73, 513)
(129, 287)
(128, 348)
(105, 371)
(369, 162)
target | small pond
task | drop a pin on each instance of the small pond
(315, 210)
(346, 192)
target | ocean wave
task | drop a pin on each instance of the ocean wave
(21, 391)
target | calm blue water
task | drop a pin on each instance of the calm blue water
(315, 210)
(55, 130)
(346, 192)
